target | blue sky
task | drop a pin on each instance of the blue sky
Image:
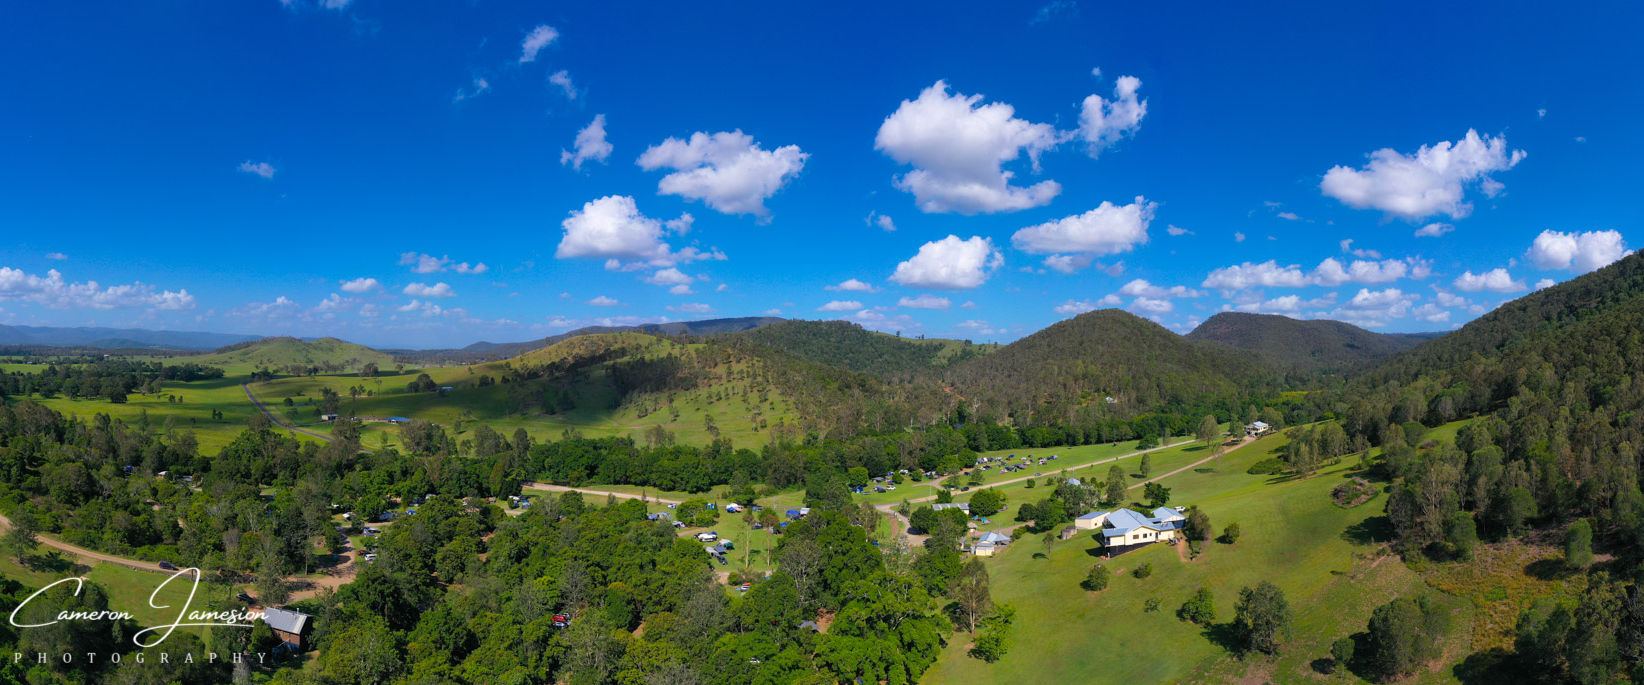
(418, 174)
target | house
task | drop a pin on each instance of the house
(996, 538)
(289, 626)
(1090, 521)
(398, 419)
(328, 417)
(1258, 429)
(951, 505)
(983, 549)
(1124, 530)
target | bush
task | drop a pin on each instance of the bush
(1096, 580)
(1200, 609)
(1143, 570)
(1578, 544)
(1342, 651)
(1230, 534)
(1151, 605)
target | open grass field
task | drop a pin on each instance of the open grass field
(129, 590)
(199, 400)
(1323, 557)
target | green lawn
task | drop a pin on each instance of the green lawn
(129, 590)
(1293, 536)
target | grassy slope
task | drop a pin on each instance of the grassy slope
(128, 590)
(277, 352)
(1293, 536)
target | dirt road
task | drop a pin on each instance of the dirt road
(86, 554)
(599, 493)
(271, 417)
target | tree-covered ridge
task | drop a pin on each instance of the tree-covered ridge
(1066, 372)
(1301, 347)
(328, 355)
(847, 346)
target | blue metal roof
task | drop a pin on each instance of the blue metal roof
(1092, 515)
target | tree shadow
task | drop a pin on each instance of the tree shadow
(1204, 469)
(1494, 666)
(1369, 531)
(1324, 665)
(1223, 635)
(50, 562)
(1547, 569)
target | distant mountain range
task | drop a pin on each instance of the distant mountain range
(482, 351)
(117, 338)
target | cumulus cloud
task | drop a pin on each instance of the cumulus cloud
(1141, 288)
(1375, 308)
(281, 306)
(840, 306)
(1432, 181)
(1107, 229)
(727, 171)
(950, 263)
(426, 290)
(429, 264)
(1102, 123)
(562, 78)
(1434, 230)
(603, 301)
(1582, 252)
(1347, 246)
(1545, 283)
(853, 285)
(590, 144)
(1066, 263)
(56, 256)
(691, 308)
(1177, 230)
(1072, 307)
(669, 276)
(1497, 280)
(1248, 275)
(1431, 313)
(1287, 304)
(263, 169)
(1152, 305)
(612, 227)
(958, 148)
(924, 302)
(480, 87)
(360, 285)
(535, 41)
(54, 292)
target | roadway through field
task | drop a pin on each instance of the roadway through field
(271, 417)
(601, 493)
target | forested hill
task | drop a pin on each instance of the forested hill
(845, 345)
(287, 355)
(1580, 320)
(487, 351)
(1076, 364)
(1294, 346)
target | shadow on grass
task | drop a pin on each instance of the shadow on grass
(53, 562)
(1204, 469)
(1547, 569)
(1369, 531)
(1494, 666)
(1323, 665)
(1223, 635)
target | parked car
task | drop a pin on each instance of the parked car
(168, 566)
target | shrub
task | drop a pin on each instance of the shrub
(1143, 570)
(1096, 579)
(1230, 534)
(1151, 605)
(1199, 609)
(1578, 544)
(1342, 652)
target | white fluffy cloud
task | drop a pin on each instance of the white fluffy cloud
(263, 169)
(1104, 122)
(853, 285)
(360, 285)
(1431, 313)
(950, 263)
(1581, 251)
(1432, 181)
(1107, 229)
(840, 306)
(54, 292)
(1177, 230)
(429, 264)
(728, 170)
(535, 41)
(1248, 275)
(924, 302)
(1141, 288)
(669, 276)
(1434, 230)
(958, 148)
(562, 78)
(426, 290)
(612, 227)
(1497, 280)
(590, 145)
(603, 301)
(1152, 305)
(1374, 308)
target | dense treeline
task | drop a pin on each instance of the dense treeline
(111, 379)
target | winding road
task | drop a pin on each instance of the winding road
(84, 553)
(601, 493)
